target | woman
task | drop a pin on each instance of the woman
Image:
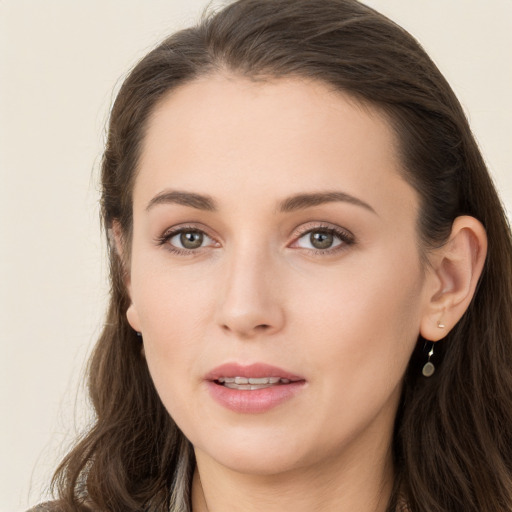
(311, 279)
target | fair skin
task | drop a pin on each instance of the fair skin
(228, 265)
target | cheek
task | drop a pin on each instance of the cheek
(168, 299)
(357, 339)
(172, 352)
(174, 310)
(172, 322)
(367, 324)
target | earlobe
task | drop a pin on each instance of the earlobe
(455, 270)
(133, 318)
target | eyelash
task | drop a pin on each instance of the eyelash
(164, 239)
(345, 237)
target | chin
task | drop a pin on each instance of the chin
(259, 463)
(263, 455)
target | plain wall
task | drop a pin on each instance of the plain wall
(60, 61)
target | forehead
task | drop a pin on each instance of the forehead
(241, 107)
(223, 134)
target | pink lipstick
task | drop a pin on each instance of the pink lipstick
(254, 388)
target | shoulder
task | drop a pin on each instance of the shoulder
(59, 506)
(49, 506)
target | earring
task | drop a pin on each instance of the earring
(142, 352)
(440, 325)
(429, 368)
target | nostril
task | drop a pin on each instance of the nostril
(256, 328)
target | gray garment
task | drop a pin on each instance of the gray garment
(49, 506)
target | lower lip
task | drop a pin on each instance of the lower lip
(253, 401)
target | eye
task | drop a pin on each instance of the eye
(189, 239)
(319, 240)
(324, 239)
(185, 240)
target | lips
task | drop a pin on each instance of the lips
(252, 388)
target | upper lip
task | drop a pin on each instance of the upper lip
(257, 370)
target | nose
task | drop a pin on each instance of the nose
(250, 304)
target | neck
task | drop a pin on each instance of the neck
(363, 484)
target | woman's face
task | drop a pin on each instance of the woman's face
(274, 238)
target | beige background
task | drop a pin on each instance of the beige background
(60, 61)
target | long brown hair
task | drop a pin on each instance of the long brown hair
(453, 436)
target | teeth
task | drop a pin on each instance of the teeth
(264, 380)
(247, 386)
(251, 382)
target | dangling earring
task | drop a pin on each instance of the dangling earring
(429, 368)
(142, 351)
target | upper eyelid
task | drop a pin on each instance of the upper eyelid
(308, 227)
(173, 230)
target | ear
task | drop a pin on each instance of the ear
(455, 269)
(117, 242)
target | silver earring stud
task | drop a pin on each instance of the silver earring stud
(440, 325)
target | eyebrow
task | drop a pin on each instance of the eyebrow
(198, 201)
(291, 204)
(303, 201)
